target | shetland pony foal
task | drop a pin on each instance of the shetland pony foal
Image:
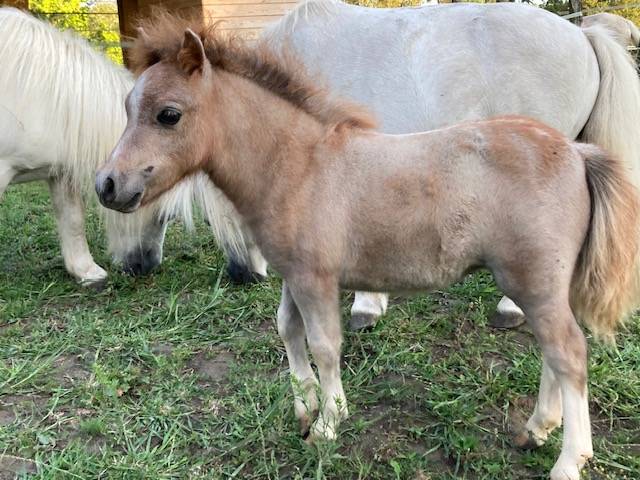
(329, 209)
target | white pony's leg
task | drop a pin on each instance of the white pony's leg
(547, 414)
(317, 301)
(69, 211)
(303, 380)
(6, 174)
(508, 315)
(366, 309)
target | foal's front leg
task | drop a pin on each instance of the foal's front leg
(69, 211)
(317, 300)
(303, 380)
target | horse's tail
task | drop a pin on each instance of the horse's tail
(605, 288)
(615, 118)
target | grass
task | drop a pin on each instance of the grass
(182, 375)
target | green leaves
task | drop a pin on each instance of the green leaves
(97, 21)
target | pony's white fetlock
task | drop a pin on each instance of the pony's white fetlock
(568, 466)
(94, 277)
(305, 403)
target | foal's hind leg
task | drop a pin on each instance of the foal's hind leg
(303, 380)
(69, 211)
(548, 412)
(565, 352)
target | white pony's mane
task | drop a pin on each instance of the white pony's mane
(80, 95)
(88, 115)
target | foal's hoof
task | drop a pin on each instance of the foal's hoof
(527, 440)
(362, 321)
(506, 320)
(241, 275)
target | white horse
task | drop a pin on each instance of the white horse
(423, 68)
(61, 113)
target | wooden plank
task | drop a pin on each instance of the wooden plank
(247, 10)
(242, 2)
(21, 4)
(171, 5)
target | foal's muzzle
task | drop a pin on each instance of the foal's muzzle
(118, 194)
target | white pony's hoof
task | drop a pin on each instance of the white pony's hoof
(565, 472)
(568, 469)
(95, 278)
(362, 321)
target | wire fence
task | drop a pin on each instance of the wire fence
(95, 20)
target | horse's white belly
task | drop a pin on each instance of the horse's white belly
(23, 155)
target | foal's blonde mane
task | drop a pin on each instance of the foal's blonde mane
(282, 75)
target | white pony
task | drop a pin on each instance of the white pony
(422, 68)
(61, 113)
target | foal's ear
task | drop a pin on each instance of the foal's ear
(192, 56)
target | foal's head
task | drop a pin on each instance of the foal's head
(174, 105)
(164, 139)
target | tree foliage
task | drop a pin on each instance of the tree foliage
(95, 20)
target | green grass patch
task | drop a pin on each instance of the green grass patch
(182, 375)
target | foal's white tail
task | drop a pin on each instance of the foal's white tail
(606, 282)
(615, 119)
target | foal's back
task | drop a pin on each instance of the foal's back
(486, 193)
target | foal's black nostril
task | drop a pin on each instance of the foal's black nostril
(109, 190)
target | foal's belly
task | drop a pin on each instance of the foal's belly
(397, 271)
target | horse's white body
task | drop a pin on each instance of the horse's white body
(423, 68)
(61, 113)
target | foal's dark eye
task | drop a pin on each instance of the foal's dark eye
(169, 116)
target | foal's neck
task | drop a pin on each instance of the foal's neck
(260, 141)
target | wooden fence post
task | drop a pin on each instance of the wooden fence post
(576, 6)
(22, 4)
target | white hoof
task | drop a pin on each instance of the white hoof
(568, 468)
(94, 277)
(323, 429)
(565, 472)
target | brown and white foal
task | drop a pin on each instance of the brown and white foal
(333, 204)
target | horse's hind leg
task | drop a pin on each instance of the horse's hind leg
(565, 352)
(303, 380)
(366, 309)
(69, 211)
